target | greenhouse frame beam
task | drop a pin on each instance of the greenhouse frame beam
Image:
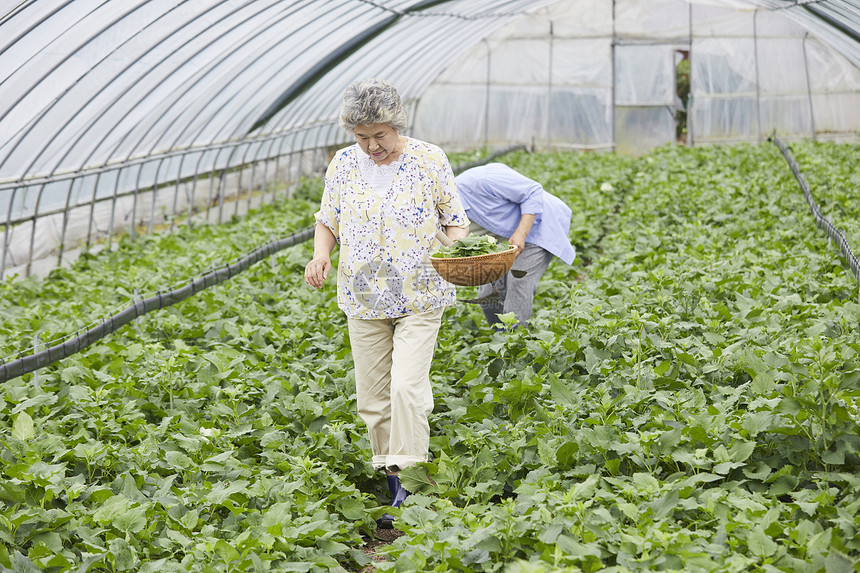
(274, 77)
(23, 33)
(322, 68)
(335, 57)
(39, 156)
(186, 90)
(182, 131)
(847, 30)
(311, 104)
(68, 57)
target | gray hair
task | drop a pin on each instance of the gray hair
(370, 101)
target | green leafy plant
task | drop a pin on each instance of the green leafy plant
(472, 245)
(684, 399)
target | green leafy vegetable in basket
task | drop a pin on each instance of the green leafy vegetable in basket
(471, 246)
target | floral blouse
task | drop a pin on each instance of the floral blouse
(386, 238)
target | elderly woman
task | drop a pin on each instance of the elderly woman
(385, 199)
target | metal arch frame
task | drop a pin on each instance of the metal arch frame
(813, 11)
(335, 57)
(255, 156)
(311, 106)
(831, 21)
(217, 151)
(167, 155)
(272, 79)
(304, 107)
(194, 108)
(53, 69)
(359, 38)
(238, 93)
(317, 72)
(420, 81)
(144, 95)
(33, 26)
(38, 156)
(294, 110)
(85, 131)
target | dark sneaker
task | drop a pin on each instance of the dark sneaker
(398, 494)
(385, 522)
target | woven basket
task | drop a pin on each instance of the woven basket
(475, 270)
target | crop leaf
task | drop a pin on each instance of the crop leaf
(23, 428)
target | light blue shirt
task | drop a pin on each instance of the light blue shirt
(496, 197)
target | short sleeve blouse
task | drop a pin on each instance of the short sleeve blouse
(386, 239)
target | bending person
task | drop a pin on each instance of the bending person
(513, 207)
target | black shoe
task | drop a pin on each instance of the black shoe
(385, 522)
(398, 494)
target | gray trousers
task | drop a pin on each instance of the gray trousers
(516, 294)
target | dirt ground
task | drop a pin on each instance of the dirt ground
(381, 537)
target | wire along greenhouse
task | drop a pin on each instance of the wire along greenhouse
(199, 371)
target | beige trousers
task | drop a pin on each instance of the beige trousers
(392, 358)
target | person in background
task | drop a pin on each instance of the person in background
(384, 200)
(511, 206)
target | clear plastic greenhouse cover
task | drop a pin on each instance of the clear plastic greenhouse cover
(127, 116)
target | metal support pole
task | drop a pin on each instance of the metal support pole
(689, 102)
(613, 94)
(277, 169)
(92, 210)
(176, 191)
(134, 203)
(211, 186)
(192, 196)
(113, 207)
(548, 123)
(154, 197)
(6, 229)
(757, 80)
(808, 87)
(487, 95)
(65, 220)
(222, 184)
(33, 232)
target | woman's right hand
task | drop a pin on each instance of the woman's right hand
(317, 271)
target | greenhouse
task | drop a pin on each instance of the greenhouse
(178, 396)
